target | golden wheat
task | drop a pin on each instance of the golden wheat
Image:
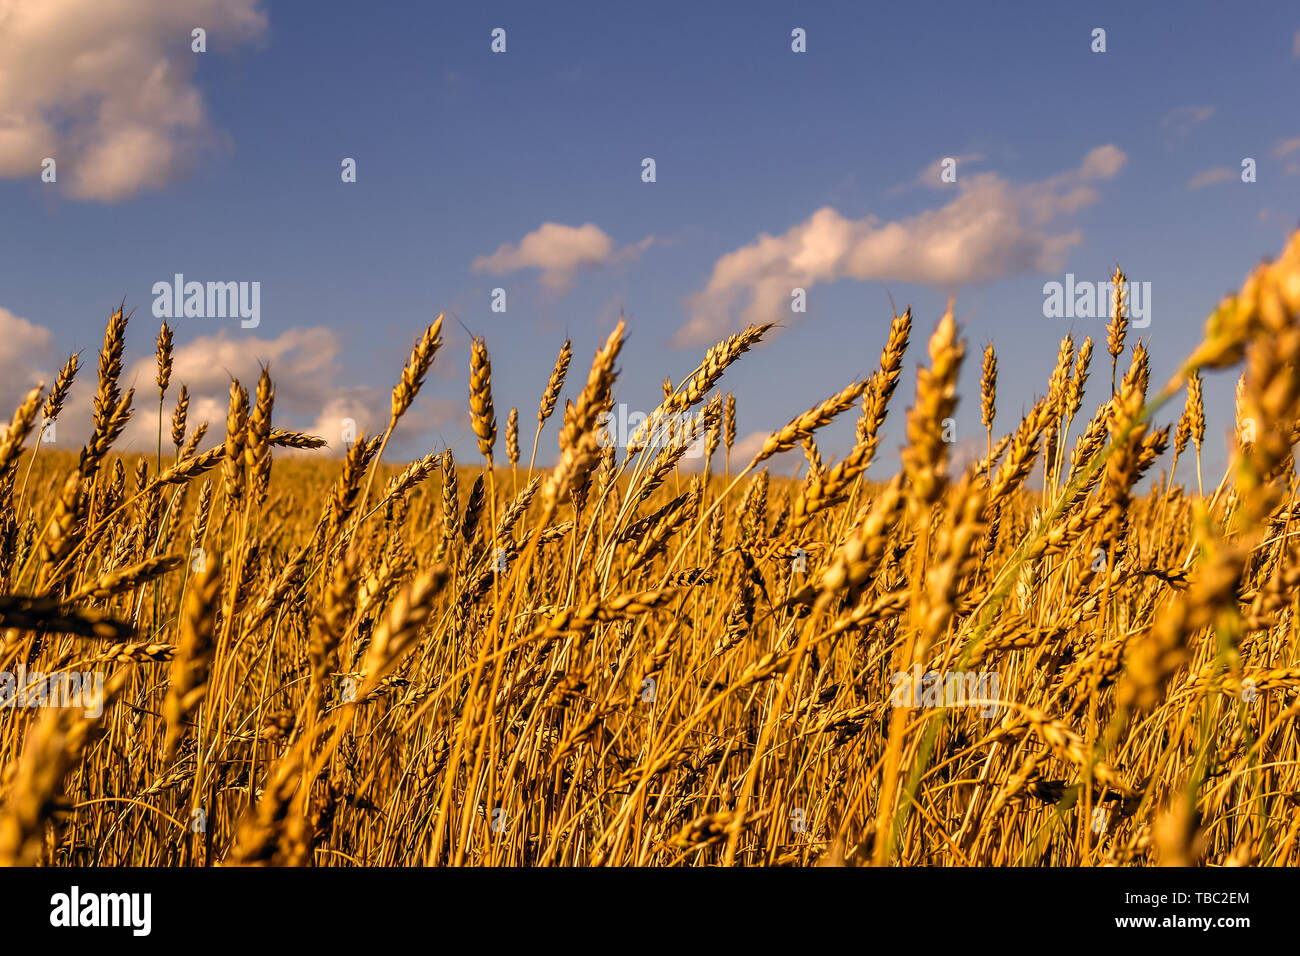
(616, 660)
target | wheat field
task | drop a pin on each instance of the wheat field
(1058, 655)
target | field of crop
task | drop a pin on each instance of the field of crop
(618, 660)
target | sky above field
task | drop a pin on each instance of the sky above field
(524, 171)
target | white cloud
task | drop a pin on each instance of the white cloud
(303, 360)
(1211, 177)
(26, 356)
(744, 450)
(419, 431)
(559, 251)
(104, 87)
(991, 229)
(304, 369)
(746, 447)
(311, 394)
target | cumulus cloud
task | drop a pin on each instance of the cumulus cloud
(303, 364)
(560, 252)
(1211, 177)
(365, 410)
(744, 450)
(104, 87)
(311, 393)
(991, 229)
(26, 355)
(746, 447)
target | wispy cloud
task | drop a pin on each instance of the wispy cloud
(1181, 121)
(1211, 177)
(1286, 147)
(559, 252)
(992, 228)
(104, 88)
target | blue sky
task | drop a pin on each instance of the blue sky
(461, 152)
